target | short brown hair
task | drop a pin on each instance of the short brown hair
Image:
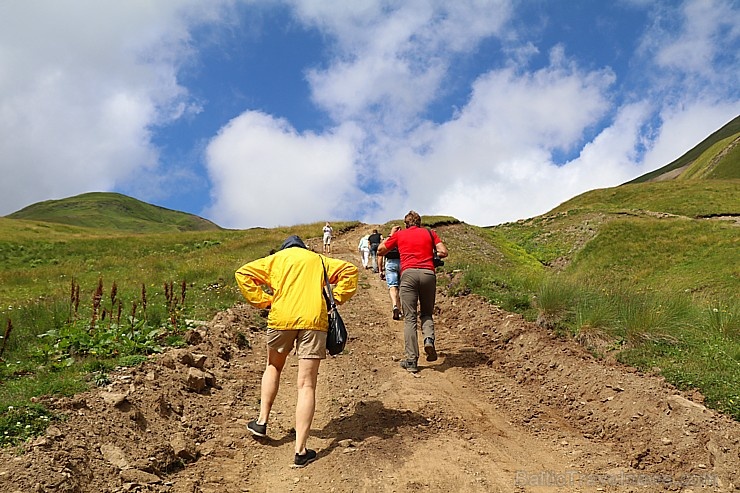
(412, 219)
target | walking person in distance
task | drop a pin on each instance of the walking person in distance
(391, 261)
(374, 239)
(328, 233)
(297, 320)
(364, 248)
(418, 285)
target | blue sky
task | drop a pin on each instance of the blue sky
(269, 113)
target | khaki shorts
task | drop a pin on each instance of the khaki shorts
(309, 344)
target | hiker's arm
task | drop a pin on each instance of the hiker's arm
(343, 277)
(389, 243)
(441, 248)
(250, 278)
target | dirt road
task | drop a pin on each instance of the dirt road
(505, 408)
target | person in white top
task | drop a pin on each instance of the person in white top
(328, 230)
(364, 248)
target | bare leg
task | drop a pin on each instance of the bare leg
(395, 298)
(308, 371)
(270, 383)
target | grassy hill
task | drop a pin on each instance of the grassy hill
(105, 210)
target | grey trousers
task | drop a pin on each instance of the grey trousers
(418, 288)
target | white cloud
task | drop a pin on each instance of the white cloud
(493, 162)
(266, 174)
(391, 59)
(691, 55)
(695, 45)
(81, 86)
(685, 126)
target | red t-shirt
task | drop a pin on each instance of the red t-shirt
(415, 246)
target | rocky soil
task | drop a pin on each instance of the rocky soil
(506, 408)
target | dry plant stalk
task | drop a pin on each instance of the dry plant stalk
(97, 297)
(171, 305)
(74, 301)
(77, 299)
(143, 300)
(113, 293)
(8, 330)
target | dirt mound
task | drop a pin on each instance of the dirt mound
(506, 407)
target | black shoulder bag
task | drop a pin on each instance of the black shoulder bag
(336, 337)
(438, 262)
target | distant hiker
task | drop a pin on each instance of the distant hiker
(328, 232)
(364, 248)
(374, 239)
(297, 319)
(391, 261)
(418, 285)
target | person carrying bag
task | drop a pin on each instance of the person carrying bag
(298, 319)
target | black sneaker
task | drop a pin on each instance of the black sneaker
(257, 429)
(396, 313)
(429, 349)
(305, 459)
(409, 365)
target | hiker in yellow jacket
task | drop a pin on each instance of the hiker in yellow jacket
(297, 318)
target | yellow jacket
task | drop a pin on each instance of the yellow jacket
(296, 278)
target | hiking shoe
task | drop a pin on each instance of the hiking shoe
(305, 459)
(409, 365)
(396, 313)
(429, 349)
(257, 429)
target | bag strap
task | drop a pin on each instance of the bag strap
(330, 297)
(434, 247)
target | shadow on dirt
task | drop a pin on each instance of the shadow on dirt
(370, 419)
(464, 358)
(276, 442)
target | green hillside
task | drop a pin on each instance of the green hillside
(690, 198)
(716, 157)
(113, 211)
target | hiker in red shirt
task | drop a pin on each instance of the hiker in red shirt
(418, 284)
